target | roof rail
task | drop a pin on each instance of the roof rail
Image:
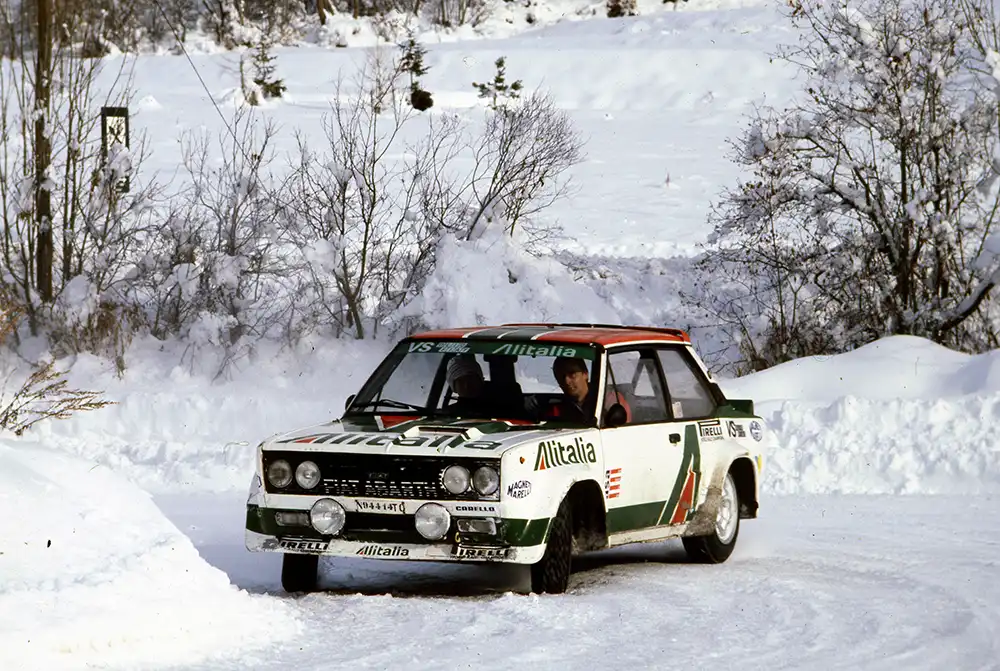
(657, 329)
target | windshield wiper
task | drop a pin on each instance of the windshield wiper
(390, 403)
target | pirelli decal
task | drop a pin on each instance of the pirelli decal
(683, 497)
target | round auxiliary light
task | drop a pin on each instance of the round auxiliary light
(307, 475)
(327, 516)
(486, 480)
(456, 479)
(432, 521)
(279, 474)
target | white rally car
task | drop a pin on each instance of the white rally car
(570, 438)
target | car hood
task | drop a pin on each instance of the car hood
(417, 436)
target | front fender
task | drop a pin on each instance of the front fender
(532, 491)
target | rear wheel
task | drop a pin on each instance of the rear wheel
(716, 547)
(299, 573)
(551, 573)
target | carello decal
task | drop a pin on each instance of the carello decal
(553, 453)
(351, 438)
(475, 508)
(383, 551)
(521, 349)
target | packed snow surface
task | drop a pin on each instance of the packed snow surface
(876, 548)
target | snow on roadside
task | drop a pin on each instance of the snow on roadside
(172, 427)
(92, 573)
(901, 415)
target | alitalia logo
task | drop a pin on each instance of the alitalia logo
(519, 349)
(383, 551)
(554, 453)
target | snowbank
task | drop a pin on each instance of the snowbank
(92, 573)
(175, 426)
(901, 415)
(890, 368)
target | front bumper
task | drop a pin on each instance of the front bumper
(517, 541)
(439, 552)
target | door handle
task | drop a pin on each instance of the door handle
(675, 438)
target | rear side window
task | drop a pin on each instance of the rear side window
(689, 394)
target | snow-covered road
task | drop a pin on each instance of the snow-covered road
(819, 582)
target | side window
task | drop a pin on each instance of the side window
(690, 397)
(632, 381)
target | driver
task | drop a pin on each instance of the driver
(578, 402)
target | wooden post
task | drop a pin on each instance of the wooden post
(43, 153)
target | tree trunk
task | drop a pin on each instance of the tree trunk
(43, 153)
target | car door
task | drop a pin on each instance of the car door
(642, 458)
(692, 408)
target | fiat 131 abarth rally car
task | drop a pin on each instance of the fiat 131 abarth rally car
(523, 443)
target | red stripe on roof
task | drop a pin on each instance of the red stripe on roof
(569, 334)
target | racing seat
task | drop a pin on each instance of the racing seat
(616, 395)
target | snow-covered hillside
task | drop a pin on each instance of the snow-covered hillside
(122, 546)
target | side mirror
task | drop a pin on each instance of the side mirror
(347, 403)
(615, 416)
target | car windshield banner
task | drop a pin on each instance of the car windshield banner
(512, 348)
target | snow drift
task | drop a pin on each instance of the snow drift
(901, 415)
(92, 573)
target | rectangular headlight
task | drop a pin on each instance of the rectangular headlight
(472, 525)
(289, 519)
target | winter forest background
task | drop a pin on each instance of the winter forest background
(865, 207)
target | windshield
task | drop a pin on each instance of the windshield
(479, 379)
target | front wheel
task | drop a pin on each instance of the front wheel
(299, 573)
(551, 573)
(716, 547)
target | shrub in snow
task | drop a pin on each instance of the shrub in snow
(412, 62)
(870, 199)
(39, 394)
(618, 8)
(264, 70)
(451, 13)
(498, 92)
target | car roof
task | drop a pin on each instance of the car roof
(580, 334)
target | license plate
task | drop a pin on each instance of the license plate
(378, 506)
(467, 552)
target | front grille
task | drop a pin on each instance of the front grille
(378, 476)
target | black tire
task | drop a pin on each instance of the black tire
(712, 549)
(299, 573)
(551, 574)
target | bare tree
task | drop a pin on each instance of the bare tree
(519, 163)
(353, 210)
(70, 180)
(229, 223)
(368, 223)
(868, 213)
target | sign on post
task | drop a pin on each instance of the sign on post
(115, 130)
